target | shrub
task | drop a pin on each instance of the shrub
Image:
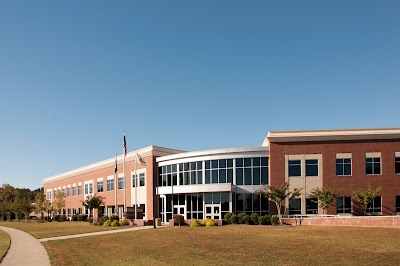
(178, 219)
(114, 223)
(90, 220)
(261, 220)
(234, 219)
(240, 217)
(60, 218)
(210, 222)
(274, 220)
(267, 219)
(82, 218)
(254, 218)
(246, 219)
(74, 218)
(195, 223)
(123, 223)
(114, 218)
(107, 223)
(104, 218)
(100, 223)
(227, 217)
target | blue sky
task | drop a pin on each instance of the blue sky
(189, 75)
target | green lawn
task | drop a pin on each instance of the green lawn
(233, 245)
(44, 230)
(4, 244)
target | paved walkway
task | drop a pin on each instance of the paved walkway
(97, 233)
(24, 249)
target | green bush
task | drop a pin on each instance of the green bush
(246, 219)
(90, 220)
(107, 223)
(267, 219)
(210, 222)
(274, 220)
(114, 223)
(195, 223)
(123, 223)
(114, 218)
(74, 218)
(261, 220)
(104, 218)
(227, 217)
(60, 218)
(234, 219)
(254, 218)
(240, 218)
(82, 218)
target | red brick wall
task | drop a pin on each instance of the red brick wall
(365, 221)
(388, 180)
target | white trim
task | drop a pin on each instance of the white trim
(131, 156)
(331, 135)
(373, 155)
(397, 154)
(74, 185)
(347, 155)
(99, 179)
(79, 183)
(68, 186)
(110, 177)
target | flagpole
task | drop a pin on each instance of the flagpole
(124, 177)
(136, 183)
(115, 180)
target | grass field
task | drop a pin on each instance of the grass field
(233, 245)
(43, 230)
(4, 243)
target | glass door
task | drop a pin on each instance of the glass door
(213, 211)
(180, 209)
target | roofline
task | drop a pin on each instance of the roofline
(131, 156)
(331, 135)
(211, 152)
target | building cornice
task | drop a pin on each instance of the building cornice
(226, 151)
(131, 156)
(331, 135)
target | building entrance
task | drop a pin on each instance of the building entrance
(213, 211)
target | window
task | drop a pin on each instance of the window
(295, 206)
(110, 184)
(398, 204)
(311, 167)
(79, 189)
(48, 195)
(142, 178)
(343, 205)
(373, 166)
(120, 183)
(91, 188)
(74, 211)
(294, 168)
(86, 188)
(100, 186)
(343, 166)
(311, 206)
(64, 191)
(375, 206)
(248, 203)
(69, 192)
(73, 191)
(251, 171)
(397, 165)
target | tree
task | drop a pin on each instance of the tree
(93, 203)
(59, 202)
(278, 195)
(366, 196)
(324, 197)
(41, 203)
(7, 198)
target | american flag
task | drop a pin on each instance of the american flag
(124, 145)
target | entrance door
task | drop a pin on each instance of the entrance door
(180, 209)
(213, 211)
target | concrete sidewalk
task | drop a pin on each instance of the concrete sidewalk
(24, 249)
(98, 233)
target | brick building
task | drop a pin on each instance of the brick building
(210, 183)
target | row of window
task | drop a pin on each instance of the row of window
(343, 205)
(343, 167)
(247, 171)
(100, 187)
